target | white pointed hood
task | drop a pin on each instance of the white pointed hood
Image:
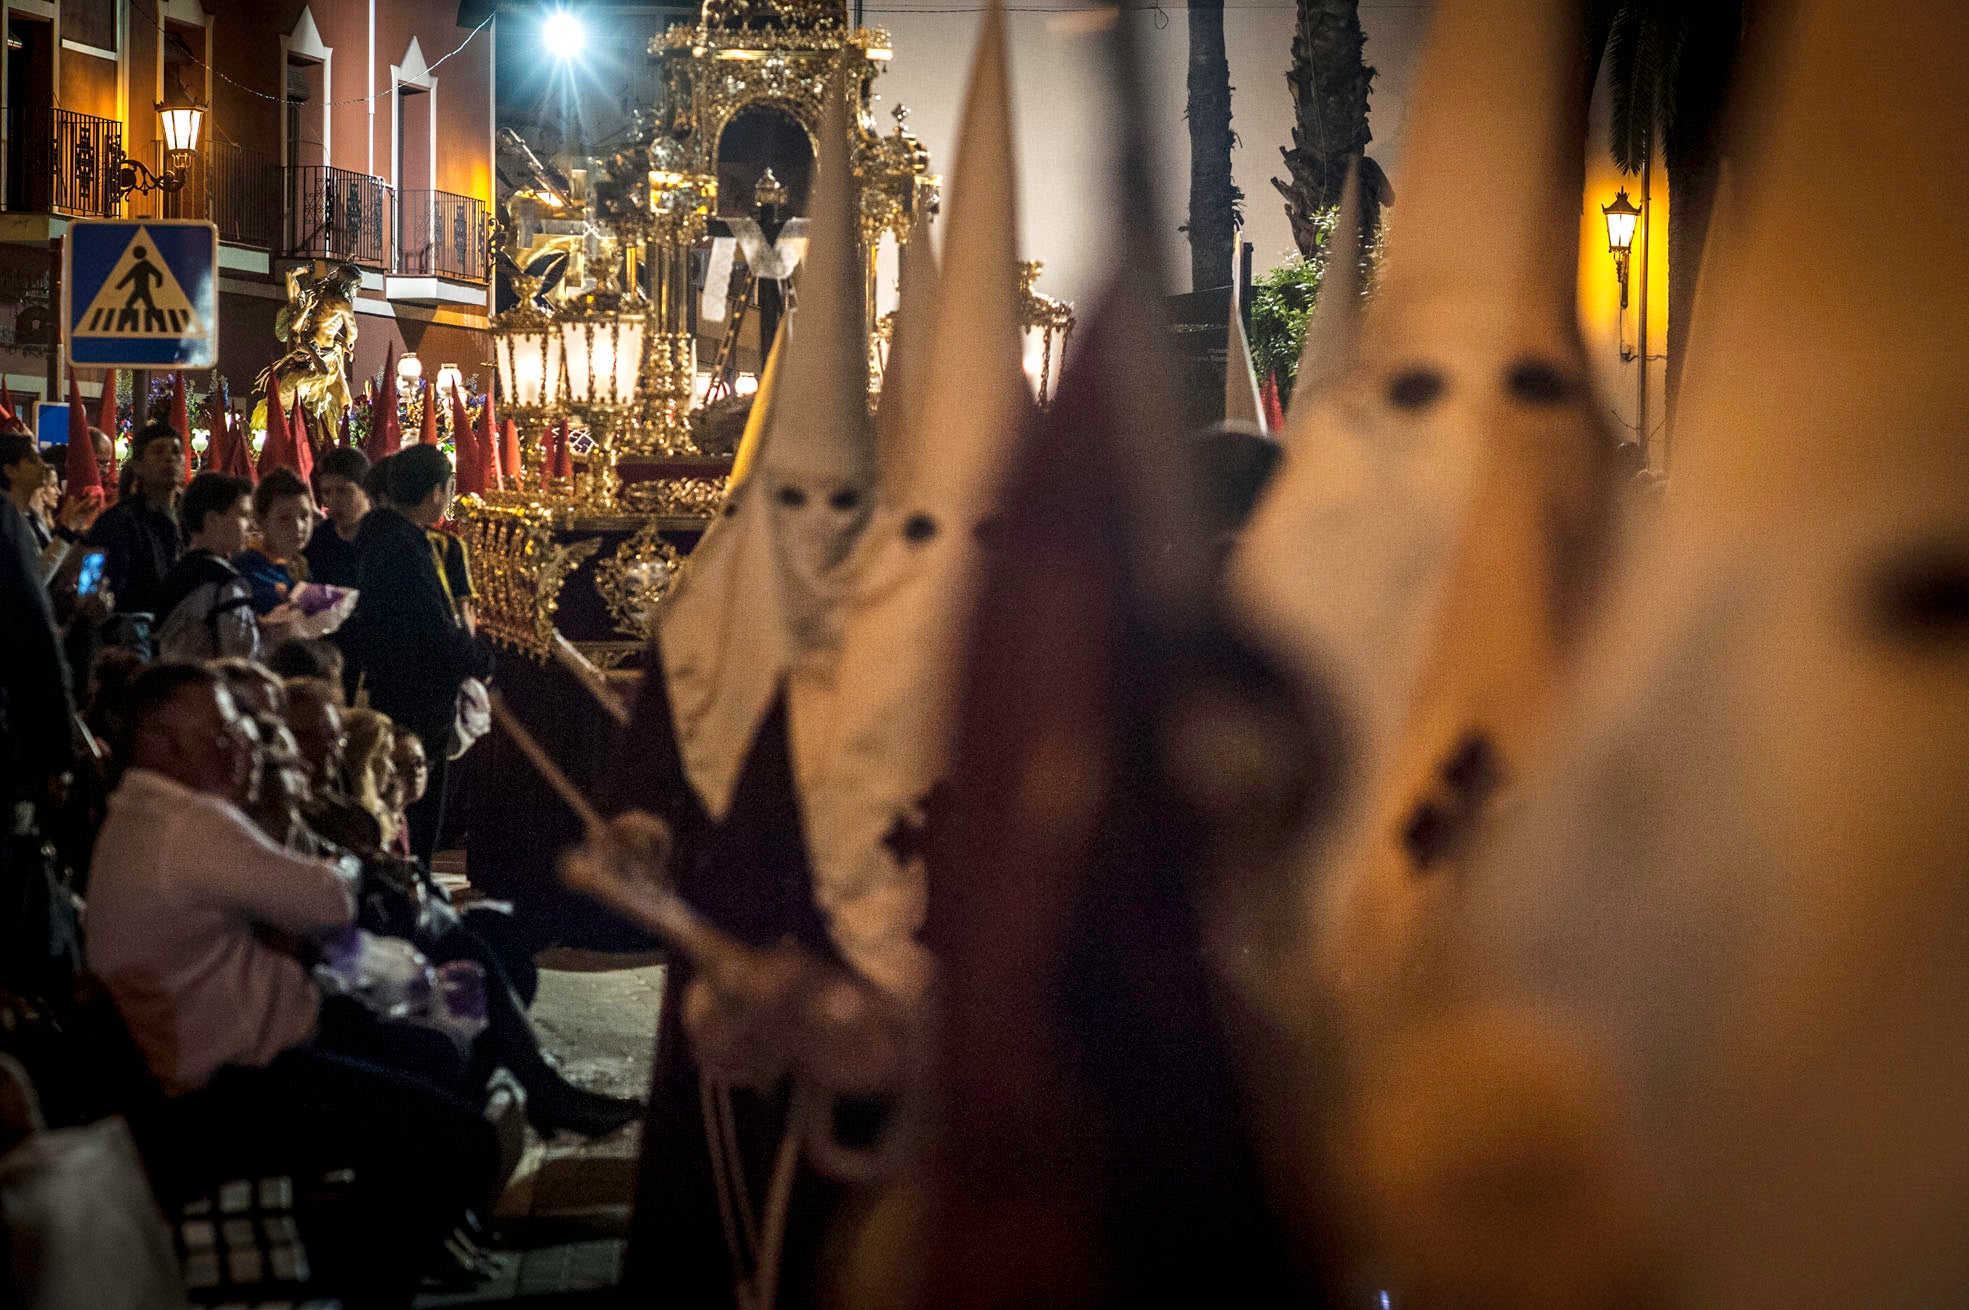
(903, 638)
(1241, 401)
(761, 594)
(1428, 548)
(1333, 328)
(1735, 892)
(905, 376)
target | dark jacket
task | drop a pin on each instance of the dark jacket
(404, 643)
(36, 736)
(332, 561)
(140, 542)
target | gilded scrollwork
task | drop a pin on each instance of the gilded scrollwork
(633, 580)
(520, 570)
(676, 497)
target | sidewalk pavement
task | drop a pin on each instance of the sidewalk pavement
(563, 1220)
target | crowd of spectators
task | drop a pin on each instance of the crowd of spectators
(223, 825)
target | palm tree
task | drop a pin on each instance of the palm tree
(1215, 201)
(1669, 64)
(1330, 82)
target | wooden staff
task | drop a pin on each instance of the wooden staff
(655, 907)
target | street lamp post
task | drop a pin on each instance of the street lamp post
(1621, 216)
(182, 121)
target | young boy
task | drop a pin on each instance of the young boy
(285, 510)
(206, 604)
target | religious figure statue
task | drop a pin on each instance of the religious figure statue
(318, 327)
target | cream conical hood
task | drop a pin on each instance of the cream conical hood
(1735, 891)
(1497, 132)
(761, 594)
(902, 639)
(822, 435)
(905, 379)
(976, 351)
(1241, 402)
(1333, 328)
(1835, 313)
(1429, 549)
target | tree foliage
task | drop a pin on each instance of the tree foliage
(1330, 80)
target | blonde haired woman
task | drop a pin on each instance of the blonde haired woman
(368, 760)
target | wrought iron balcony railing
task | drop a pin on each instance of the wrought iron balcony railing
(333, 213)
(60, 162)
(244, 187)
(444, 234)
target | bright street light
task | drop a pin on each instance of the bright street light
(562, 34)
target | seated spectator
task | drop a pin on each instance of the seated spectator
(254, 687)
(411, 768)
(204, 605)
(314, 715)
(399, 898)
(338, 483)
(139, 533)
(200, 926)
(308, 657)
(369, 767)
(106, 710)
(181, 879)
(285, 512)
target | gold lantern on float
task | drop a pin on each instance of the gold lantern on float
(526, 361)
(602, 355)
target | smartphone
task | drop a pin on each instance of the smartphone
(90, 580)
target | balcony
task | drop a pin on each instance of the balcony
(442, 234)
(245, 190)
(336, 214)
(60, 162)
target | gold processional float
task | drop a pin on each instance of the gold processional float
(570, 571)
(732, 137)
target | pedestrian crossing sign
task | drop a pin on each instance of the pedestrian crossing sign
(141, 293)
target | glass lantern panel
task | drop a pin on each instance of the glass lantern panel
(575, 339)
(1620, 230)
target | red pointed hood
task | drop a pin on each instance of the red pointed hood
(85, 480)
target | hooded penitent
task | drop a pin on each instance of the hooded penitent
(1242, 404)
(903, 637)
(905, 372)
(1429, 548)
(385, 435)
(1333, 327)
(106, 405)
(82, 475)
(760, 596)
(278, 451)
(1730, 924)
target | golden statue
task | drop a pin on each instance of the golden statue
(318, 327)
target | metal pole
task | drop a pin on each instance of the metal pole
(1647, 248)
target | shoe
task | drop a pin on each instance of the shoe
(459, 1265)
(567, 1108)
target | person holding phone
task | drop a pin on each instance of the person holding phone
(32, 486)
(139, 533)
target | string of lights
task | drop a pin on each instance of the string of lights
(151, 17)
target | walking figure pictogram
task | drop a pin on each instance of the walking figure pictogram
(146, 275)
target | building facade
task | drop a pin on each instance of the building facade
(356, 131)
